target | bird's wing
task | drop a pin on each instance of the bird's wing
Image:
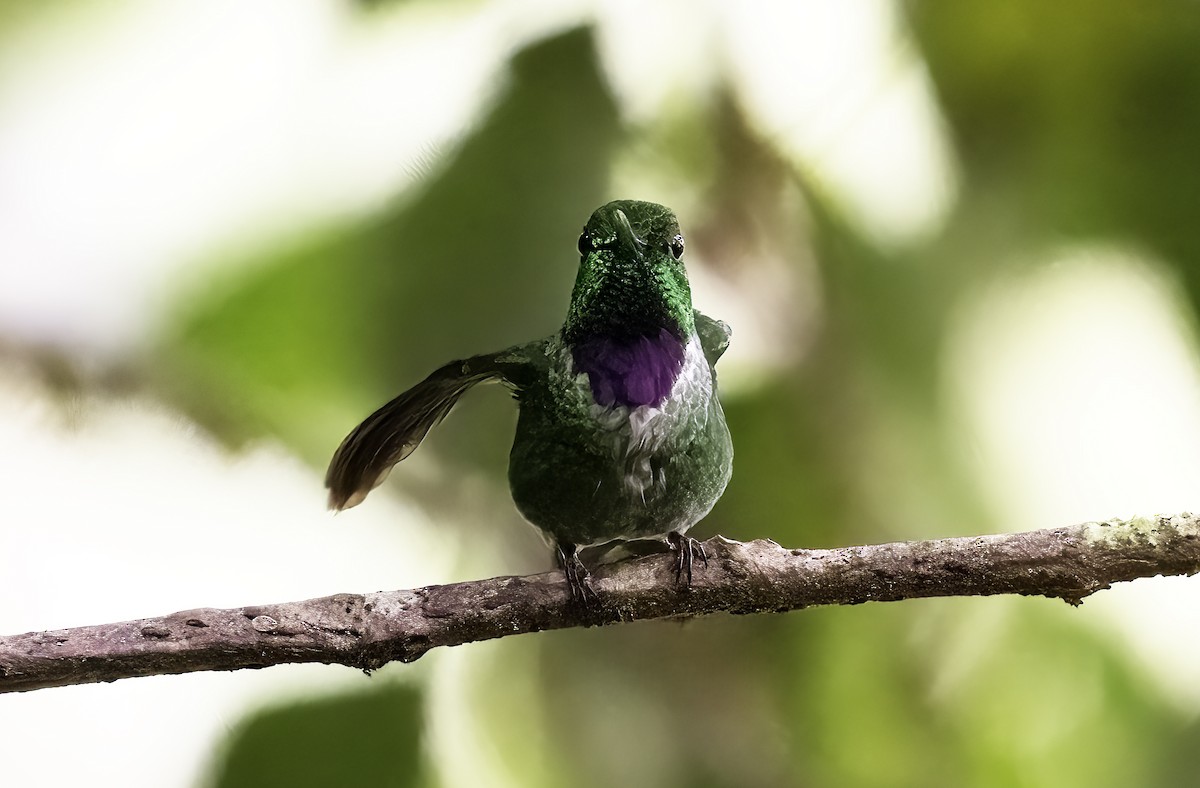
(391, 433)
(714, 337)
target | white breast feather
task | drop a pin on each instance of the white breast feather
(635, 435)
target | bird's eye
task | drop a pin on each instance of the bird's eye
(585, 243)
(677, 247)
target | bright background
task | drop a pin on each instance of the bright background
(958, 244)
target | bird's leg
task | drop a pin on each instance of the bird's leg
(578, 578)
(686, 549)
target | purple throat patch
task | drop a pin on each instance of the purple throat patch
(631, 372)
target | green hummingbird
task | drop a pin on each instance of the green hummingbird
(620, 434)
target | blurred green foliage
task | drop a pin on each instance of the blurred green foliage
(473, 260)
(1073, 120)
(1069, 120)
(359, 738)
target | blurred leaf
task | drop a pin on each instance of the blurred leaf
(306, 342)
(369, 738)
(1074, 119)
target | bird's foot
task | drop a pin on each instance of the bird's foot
(687, 550)
(578, 577)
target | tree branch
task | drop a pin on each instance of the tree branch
(369, 630)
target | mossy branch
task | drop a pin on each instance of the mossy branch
(367, 631)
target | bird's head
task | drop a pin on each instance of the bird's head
(631, 279)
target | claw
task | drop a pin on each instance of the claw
(578, 577)
(687, 550)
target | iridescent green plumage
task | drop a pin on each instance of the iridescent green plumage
(619, 291)
(620, 434)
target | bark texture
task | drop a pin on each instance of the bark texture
(367, 631)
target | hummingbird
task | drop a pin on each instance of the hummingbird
(620, 433)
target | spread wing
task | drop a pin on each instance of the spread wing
(714, 337)
(391, 433)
